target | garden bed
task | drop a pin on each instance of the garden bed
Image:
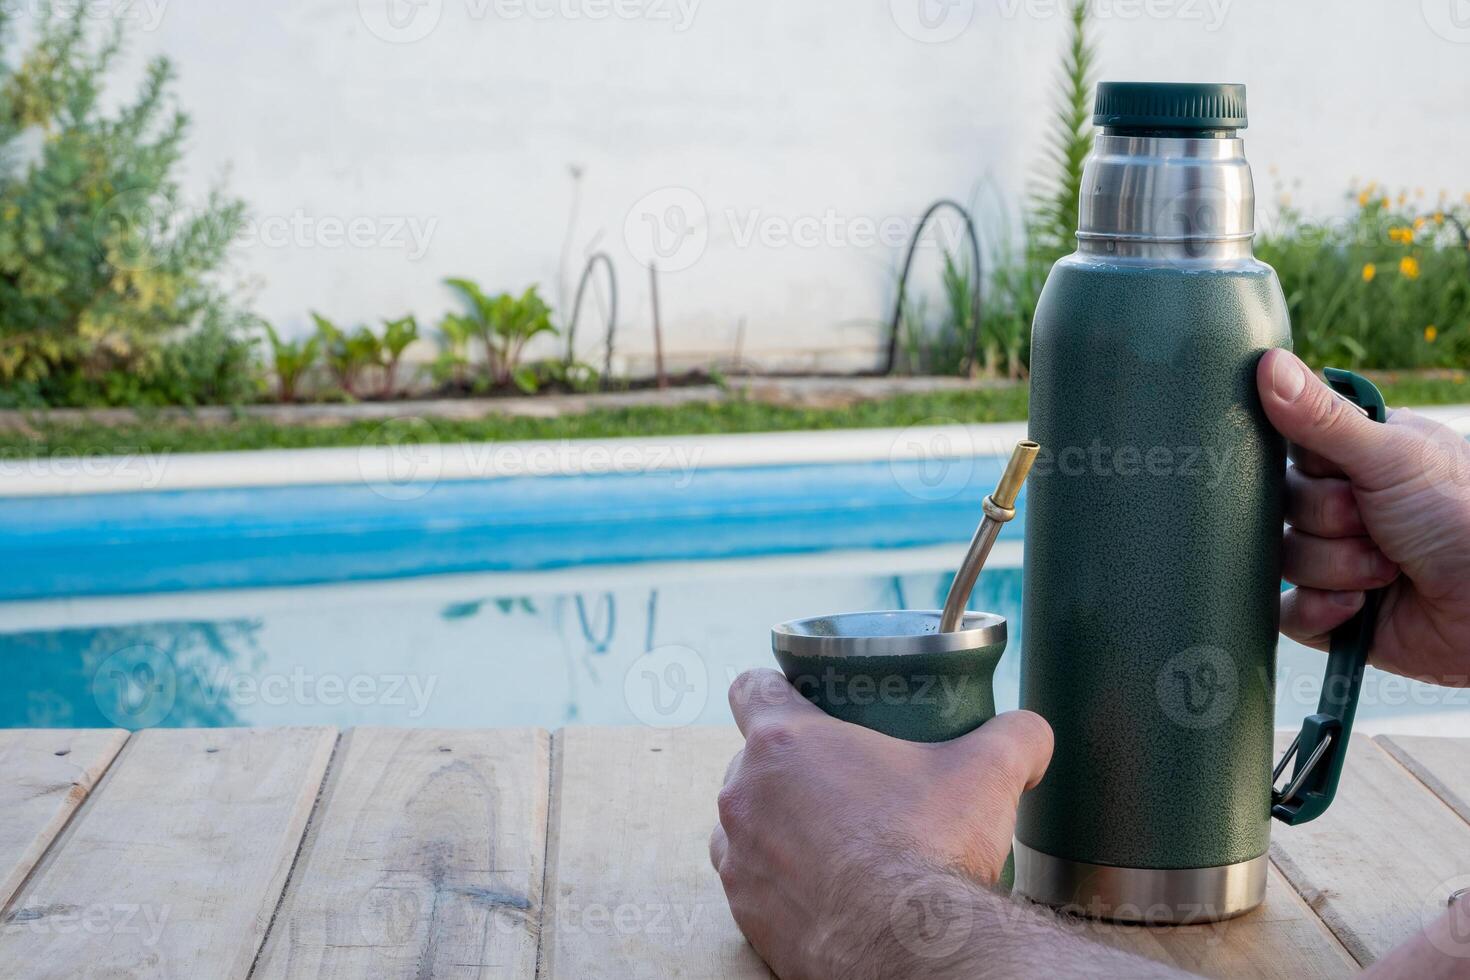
(750, 405)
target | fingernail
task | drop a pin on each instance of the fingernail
(1348, 600)
(1288, 377)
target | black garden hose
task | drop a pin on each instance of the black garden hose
(908, 261)
(612, 311)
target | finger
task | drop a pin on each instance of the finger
(1016, 745)
(719, 845)
(1312, 416)
(1335, 563)
(1322, 506)
(764, 696)
(1310, 615)
(733, 766)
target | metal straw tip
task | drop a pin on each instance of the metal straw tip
(1015, 475)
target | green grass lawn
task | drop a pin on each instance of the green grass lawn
(979, 405)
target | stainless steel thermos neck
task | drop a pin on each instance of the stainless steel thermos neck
(1178, 198)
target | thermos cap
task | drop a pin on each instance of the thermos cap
(1172, 108)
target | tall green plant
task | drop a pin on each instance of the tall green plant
(455, 333)
(505, 324)
(102, 268)
(1052, 218)
(291, 359)
(348, 352)
(397, 335)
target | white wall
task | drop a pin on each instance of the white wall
(764, 111)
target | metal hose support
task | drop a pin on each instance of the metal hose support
(612, 310)
(974, 353)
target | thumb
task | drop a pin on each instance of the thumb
(1014, 748)
(1315, 418)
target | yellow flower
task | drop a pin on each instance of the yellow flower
(1418, 223)
(1430, 333)
(1363, 199)
(1409, 267)
(1403, 235)
(1402, 198)
(1439, 217)
(1369, 271)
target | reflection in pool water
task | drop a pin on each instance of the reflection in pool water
(654, 644)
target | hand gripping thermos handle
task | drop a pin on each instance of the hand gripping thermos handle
(1321, 746)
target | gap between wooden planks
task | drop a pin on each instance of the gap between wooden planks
(48, 773)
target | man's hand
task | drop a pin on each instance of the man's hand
(1373, 505)
(823, 824)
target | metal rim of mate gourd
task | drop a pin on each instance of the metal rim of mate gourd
(885, 633)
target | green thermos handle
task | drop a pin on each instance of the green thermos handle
(1321, 746)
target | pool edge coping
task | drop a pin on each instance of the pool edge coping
(391, 467)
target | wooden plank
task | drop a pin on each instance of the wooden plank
(1377, 865)
(1442, 764)
(47, 774)
(175, 864)
(424, 858)
(1283, 938)
(629, 888)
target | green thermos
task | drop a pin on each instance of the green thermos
(1153, 533)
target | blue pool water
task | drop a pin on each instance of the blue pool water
(543, 601)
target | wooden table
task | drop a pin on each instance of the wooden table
(514, 853)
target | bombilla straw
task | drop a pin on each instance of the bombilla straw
(1000, 507)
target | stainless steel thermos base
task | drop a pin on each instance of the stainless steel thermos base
(1154, 896)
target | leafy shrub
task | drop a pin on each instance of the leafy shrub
(397, 336)
(107, 291)
(1386, 287)
(455, 333)
(291, 360)
(348, 352)
(505, 324)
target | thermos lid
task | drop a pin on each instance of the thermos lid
(1167, 108)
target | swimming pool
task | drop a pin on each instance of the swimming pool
(604, 598)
